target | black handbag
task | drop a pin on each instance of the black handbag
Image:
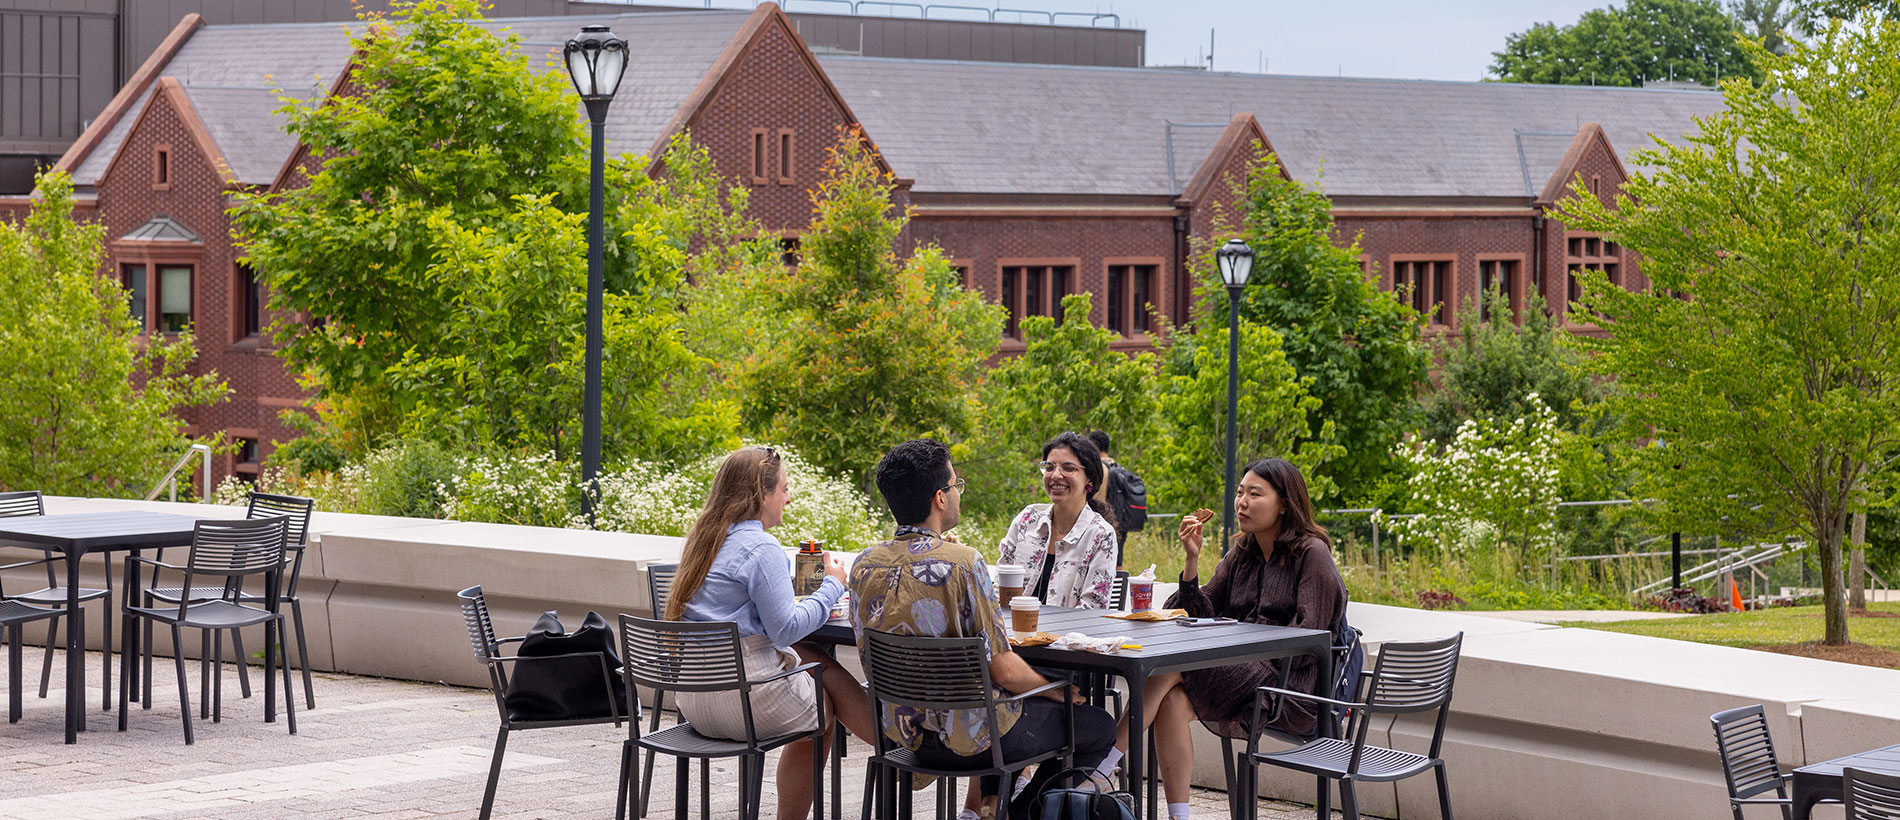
(1081, 804)
(566, 688)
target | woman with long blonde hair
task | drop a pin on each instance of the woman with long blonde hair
(733, 570)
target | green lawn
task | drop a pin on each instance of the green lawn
(1766, 627)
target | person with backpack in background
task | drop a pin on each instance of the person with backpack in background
(1124, 493)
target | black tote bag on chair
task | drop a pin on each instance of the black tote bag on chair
(566, 688)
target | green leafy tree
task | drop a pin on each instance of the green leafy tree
(1773, 382)
(1816, 13)
(1640, 41)
(440, 245)
(1068, 377)
(1771, 22)
(876, 349)
(1493, 365)
(1359, 346)
(88, 404)
(1276, 412)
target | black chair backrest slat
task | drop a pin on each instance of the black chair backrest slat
(481, 626)
(1749, 763)
(1118, 599)
(1870, 795)
(234, 548)
(927, 672)
(682, 656)
(1414, 677)
(21, 502)
(660, 585)
(296, 508)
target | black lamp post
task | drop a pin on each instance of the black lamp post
(595, 61)
(1236, 264)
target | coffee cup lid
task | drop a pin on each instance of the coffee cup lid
(1024, 602)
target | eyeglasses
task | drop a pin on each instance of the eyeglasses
(1067, 467)
(955, 485)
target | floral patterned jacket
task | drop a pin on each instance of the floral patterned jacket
(1085, 558)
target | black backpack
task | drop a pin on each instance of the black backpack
(1128, 497)
(1055, 803)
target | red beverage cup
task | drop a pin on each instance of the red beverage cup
(1141, 594)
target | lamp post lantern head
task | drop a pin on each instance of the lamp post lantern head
(595, 61)
(1236, 263)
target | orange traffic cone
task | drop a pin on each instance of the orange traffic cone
(1735, 595)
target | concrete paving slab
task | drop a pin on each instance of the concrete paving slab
(373, 748)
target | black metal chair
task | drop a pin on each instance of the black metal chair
(1408, 678)
(703, 656)
(261, 505)
(1336, 716)
(1118, 598)
(1870, 795)
(481, 637)
(1749, 765)
(14, 616)
(232, 551)
(659, 588)
(29, 502)
(941, 673)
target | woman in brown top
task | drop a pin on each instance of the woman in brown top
(1278, 570)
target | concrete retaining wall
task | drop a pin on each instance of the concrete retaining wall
(1547, 722)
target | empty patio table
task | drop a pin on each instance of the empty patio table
(1822, 781)
(81, 533)
(1166, 646)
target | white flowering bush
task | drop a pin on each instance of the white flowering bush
(422, 480)
(1496, 483)
(658, 500)
(535, 490)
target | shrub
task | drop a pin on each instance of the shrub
(658, 500)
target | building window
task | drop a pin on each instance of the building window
(788, 251)
(1427, 285)
(1590, 252)
(1503, 276)
(760, 149)
(1034, 290)
(785, 156)
(250, 302)
(1129, 287)
(133, 278)
(162, 167)
(174, 298)
(247, 451)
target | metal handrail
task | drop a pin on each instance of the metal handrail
(171, 475)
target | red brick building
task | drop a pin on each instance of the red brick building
(1038, 180)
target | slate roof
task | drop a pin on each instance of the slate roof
(1017, 129)
(228, 73)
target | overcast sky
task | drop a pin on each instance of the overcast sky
(1444, 40)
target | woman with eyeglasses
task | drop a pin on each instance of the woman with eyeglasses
(1066, 546)
(733, 570)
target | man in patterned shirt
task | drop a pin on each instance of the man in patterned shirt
(918, 583)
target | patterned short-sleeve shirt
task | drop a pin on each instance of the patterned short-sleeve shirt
(919, 584)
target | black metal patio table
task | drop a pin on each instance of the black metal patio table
(1816, 782)
(76, 535)
(1166, 646)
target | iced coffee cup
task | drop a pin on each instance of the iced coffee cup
(1141, 593)
(1009, 582)
(1024, 611)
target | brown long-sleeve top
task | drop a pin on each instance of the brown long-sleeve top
(1298, 586)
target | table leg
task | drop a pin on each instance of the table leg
(128, 632)
(75, 650)
(1134, 762)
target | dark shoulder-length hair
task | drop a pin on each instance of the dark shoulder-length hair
(1092, 469)
(1298, 522)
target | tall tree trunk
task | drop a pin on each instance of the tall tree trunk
(1833, 596)
(1857, 568)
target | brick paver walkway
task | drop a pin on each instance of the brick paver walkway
(372, 748)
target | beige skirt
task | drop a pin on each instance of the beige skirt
(781, 707)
